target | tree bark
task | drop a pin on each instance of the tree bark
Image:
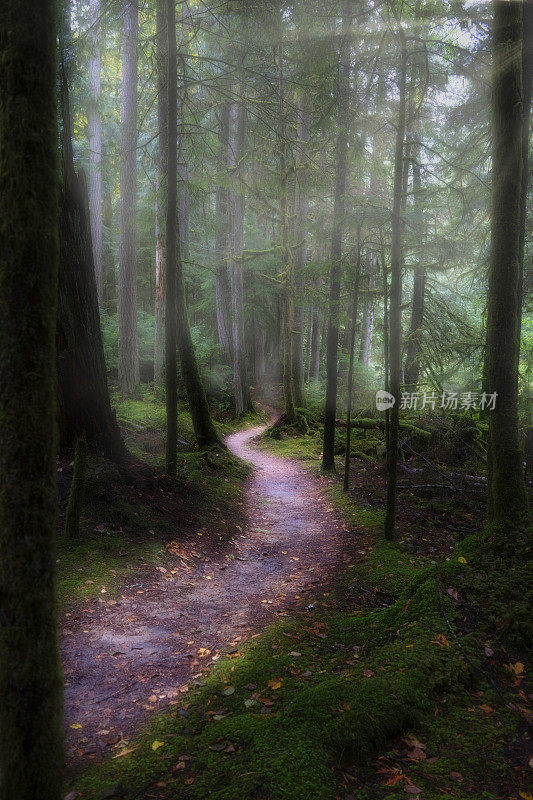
(177, 328)
(355, 302)
(395, 328)
(160, 203)
(128, 348)
(412, 358)
(236, 203)
(339, 206)
(367, 328)
(95, 146)
(30, 673)
(506, 489)
(302, 210)
(222, 289)
(314, 363)
(84, 403)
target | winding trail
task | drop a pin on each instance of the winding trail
(124, 660)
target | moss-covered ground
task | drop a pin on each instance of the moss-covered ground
(410, 676)
(130, 512)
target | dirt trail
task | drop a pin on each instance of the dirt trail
(123, 660)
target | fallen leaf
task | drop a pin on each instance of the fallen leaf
(486, 708)
(517, 668)
(124, 752)
(274, 683)
(456, 776)
(461, 560)
(489, 652)
(368, 673)
(76, 725)
(179, 766)
(412, 789)
(156, 745)
(203, 652)
(230, 690)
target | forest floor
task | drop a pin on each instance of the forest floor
(128, 657)
(280, 649)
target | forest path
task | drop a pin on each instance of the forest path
(124, 660)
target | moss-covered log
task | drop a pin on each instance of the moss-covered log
(30, 675)
(380, 424)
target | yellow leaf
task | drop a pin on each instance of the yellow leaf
(517, 668)
(461, 560)
(526, 795)
(275, 683)
(156, 745)
(76, 725)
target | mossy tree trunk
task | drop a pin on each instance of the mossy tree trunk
(395, 313)
(506, 491)
(339, 207)
(30, 675)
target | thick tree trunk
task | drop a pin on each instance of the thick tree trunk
(395, 327)
(223, 294)
(506, 490)
(128, 348)
(160, 196)
(95, 146)
(84, 404)
(30, 674)
(177, 329)
(339, 206)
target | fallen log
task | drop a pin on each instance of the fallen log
(379, 424)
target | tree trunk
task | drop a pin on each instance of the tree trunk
(367, 328)
(177, 329)
(128, 349)
(95, 146)
(84, 404)
(223, 295)
(506, 490)
(339, 206)
(302, 210)
(160, 204)
(395, 327)
(314, 363)
(412, 359)
(236, 219)
(173, 246)
(355, 301)
(30, 673)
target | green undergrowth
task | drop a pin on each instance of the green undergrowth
(315, 706)
(129, 514)
(317, 695)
